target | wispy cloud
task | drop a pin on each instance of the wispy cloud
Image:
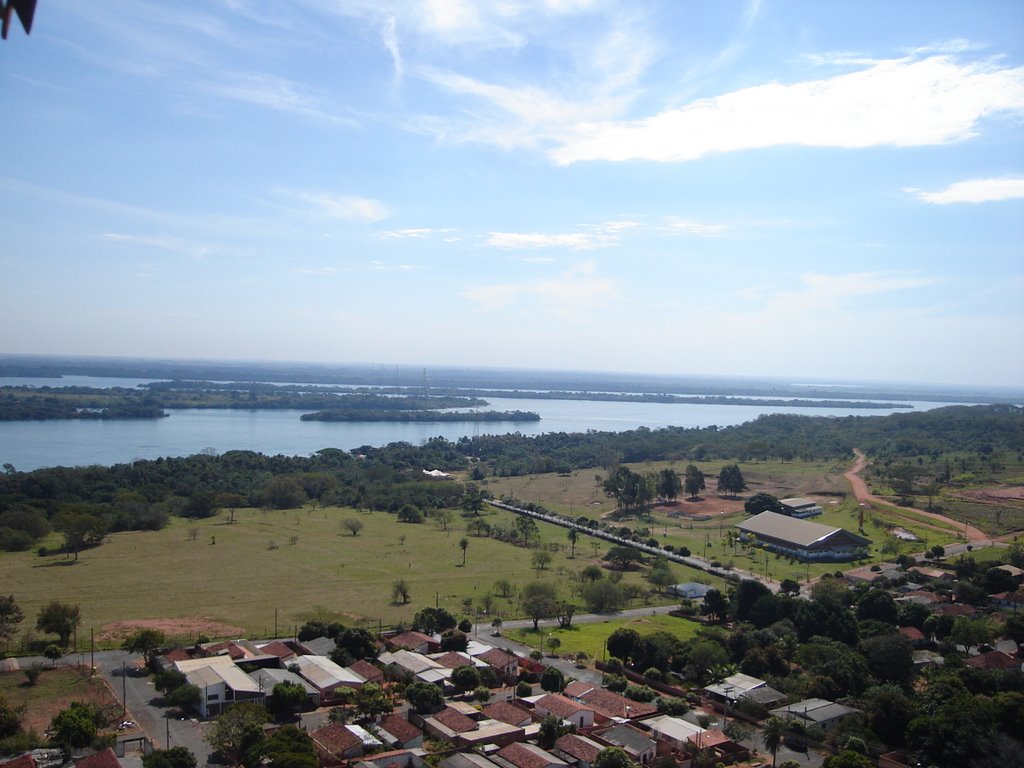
(974, 191)
(833, 293)
(346, 207)
(577, 241)
(280, 94)
(910, 101)
(690, 227)
(571, 294)
(163, 242)
(417, 233)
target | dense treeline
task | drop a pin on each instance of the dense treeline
(24, 403)
(85, 502)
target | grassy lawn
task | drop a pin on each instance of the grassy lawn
(247, 574)
(590, 637)
(54, 690)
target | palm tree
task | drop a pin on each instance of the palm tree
(774, 730)
(463, 545)
(572, 535)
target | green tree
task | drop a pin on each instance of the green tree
(59, 619)
(400, 591)
(772, 734)
(762, 502)
(969, 632)
(184, 697)
(465, 678)
(573, 536)
(693, 481)
(410, 513)
(623, 643)
(613, 757)
(10, 617)
(76, 726)
(540, 559)
(730, 480)
(443, 517)
(287, 697)
(353, 525)
(287, 747)
(526, 527)
(463, 545)
(669, 484)
(847, 759)
(552, 680)
(80, 528)
(238, 732)
(53, 653)
(372, 700)
(425, 698)
(432, 620)
(602, 596)
(539, 600)
(661, 575)
(175, 757)
(146, 642)
(716, 604)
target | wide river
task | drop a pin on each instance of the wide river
(29, 445)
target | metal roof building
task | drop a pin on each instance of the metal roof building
(802, 539)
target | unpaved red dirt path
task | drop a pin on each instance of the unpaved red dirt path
(861, 491)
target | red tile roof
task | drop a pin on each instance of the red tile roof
(400, 728)
(912, 633)
(177, 654)
(577, 688)
(453, 659)
(25, 761)
(526, 756)
(611, 704)
(279, 649)
(498, 658)
(365, 669)
(409, 639)
(993, 660)
(578, 748)
(507, 712)
(560, 705)
(104, 759)
(335, 738)
(455, 720)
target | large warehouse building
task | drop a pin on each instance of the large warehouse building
(802, 539)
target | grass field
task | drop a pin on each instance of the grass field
(590, 637)
(580, 493)
(244, 576)
(55, 690)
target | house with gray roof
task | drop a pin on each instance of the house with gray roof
(820, 712)
(802, 539)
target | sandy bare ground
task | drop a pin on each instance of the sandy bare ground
(180, 629)
(860, 490)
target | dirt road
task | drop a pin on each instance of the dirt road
(864, 495)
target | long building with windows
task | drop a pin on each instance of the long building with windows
(802, 539)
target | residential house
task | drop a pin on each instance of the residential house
(326, 676)
(336, 742)
(399, 732)
(578, 750)
(371, 673)
(820, 712)
(504, 663)
(608, 705)
(412, 641)
(523, 755)
(689, 590)
(729, 690)
(508, 712)
(994, 660)
(268, 678)
(915, 636)
(640, 747)
(103, 759)
(220, 684)
(317, 646)
(565, 709)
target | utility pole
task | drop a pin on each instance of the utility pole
(124, 691)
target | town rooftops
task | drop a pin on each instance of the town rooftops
(801, 532)
(454, 720)
(103, 759)
(268, 678)
(366, 670)
(399, 728)
(453, 659)
(409, 639)
(633, 740)
(674, 729)
(336, 738)
(613, 705)
(228, 674)
(324, 673)
(498, 658)
(508, 712)
(734, 686)
(560, 706)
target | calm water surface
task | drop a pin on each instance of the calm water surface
(33, 444)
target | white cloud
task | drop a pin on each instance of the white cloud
(974, 191)
(578, 241)
(690, 227)
(278, 93)
(831, 292)
(347, 207)
(570, 295)
(399, 234)
(164, 243)
(896, 102)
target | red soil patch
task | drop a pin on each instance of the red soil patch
(180, 629)
(1013, 493)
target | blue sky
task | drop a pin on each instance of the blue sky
(811, 189)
